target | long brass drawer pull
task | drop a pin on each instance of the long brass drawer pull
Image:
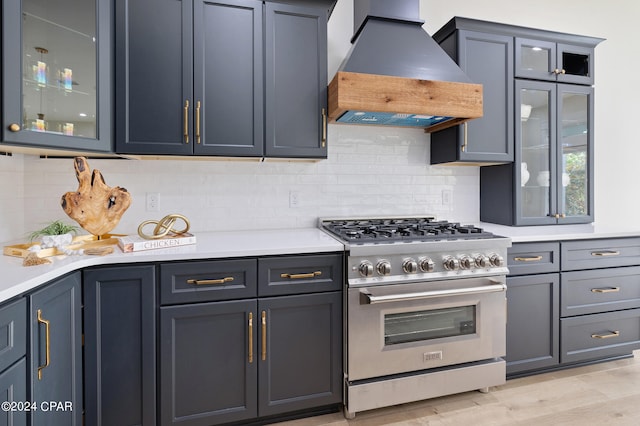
(605, 290)
(528, 259)
(264, 335)
(250, 337)
(47, 342)
(186, 121)
(198, 122)
(605, 253)
(206, 282)
(301, 276)
(606, 336)
(324, 128)
(463, 148)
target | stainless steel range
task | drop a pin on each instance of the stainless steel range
(425, 309)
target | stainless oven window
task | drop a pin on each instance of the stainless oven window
(429, 324)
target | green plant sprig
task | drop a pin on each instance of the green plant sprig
(54, 228)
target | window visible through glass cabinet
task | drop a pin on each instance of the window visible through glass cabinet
(59, 67)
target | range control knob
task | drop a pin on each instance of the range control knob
(384, 267)
(410, 266)
(426, 264)
(465, 262)
(450, 264)
(366, 268)
(482, 261)
(496, 260)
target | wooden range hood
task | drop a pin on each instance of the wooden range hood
(396, 75)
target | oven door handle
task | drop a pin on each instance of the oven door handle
(369, 299)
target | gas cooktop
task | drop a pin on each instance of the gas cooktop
(400, 229)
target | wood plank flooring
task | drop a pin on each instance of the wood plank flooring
(601, 394)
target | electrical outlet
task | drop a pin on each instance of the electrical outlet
(447, 197)
(153, 201)
(294, 198)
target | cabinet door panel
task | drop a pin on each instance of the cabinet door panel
(302, 363)
(13, 333)
(154, 76)
(207, 373)
(120, 341)
(13, 388)
(296, 81)
(228, 78)
(56, 337)
(533, 317)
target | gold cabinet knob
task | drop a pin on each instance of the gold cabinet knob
(14, 127)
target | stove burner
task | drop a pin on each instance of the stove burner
(401, 229)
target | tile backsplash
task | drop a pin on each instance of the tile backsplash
(370, 171)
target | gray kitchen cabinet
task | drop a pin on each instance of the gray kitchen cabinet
(533, 307)
(120, 345)
(551, 181)
(486, 58)
(544, 59)
(56, 75)
(296, 81)
(55, 322)
(271, 355)
(13, 363)
(211, 85)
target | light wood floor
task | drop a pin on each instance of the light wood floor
(602, 394)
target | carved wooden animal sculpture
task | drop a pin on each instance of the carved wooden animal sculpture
(95, 206)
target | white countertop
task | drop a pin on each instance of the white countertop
(520, 234)
(17, 279)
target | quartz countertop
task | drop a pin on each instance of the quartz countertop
(519, 234)
(17, 279)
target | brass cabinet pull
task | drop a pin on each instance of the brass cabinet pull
(300, 276)
(198, 122)
(606, 336)
(214, 281)
(324, 127)
(264, 335)
(465, 137)
(47, 358)
(186, 121)
(250, 337)
(605, 253)
(14, 127)
(528, 259)
(605, 290)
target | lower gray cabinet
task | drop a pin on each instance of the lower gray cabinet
(532, 322)
(13, 364)
(208, 363)
(56, 352)
(301, 352)
(120, 345)
(237, 360)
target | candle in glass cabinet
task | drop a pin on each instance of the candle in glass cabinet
(67, 129)
(68, 79)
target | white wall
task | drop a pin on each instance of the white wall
(369, 171)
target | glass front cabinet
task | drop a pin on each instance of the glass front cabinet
(554, 154)
(57, 74)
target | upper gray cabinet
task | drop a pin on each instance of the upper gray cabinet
(56, 74)
(208, 78)
(487, 59)
(548, 60)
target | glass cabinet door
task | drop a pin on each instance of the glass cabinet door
(536, 147)
(57, 73)
(535, 59)
(575, 162)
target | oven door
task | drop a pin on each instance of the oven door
(399, 328)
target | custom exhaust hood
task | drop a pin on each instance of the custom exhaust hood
(395, 74)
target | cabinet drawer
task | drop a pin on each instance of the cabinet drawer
(599, 335)
(600, 290)
(299, 274)
(13, 332)
(186, 282)
(605, 253)
(533, 258)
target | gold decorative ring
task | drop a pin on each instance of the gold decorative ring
(163, 227)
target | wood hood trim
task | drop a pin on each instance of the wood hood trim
(382, 93)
